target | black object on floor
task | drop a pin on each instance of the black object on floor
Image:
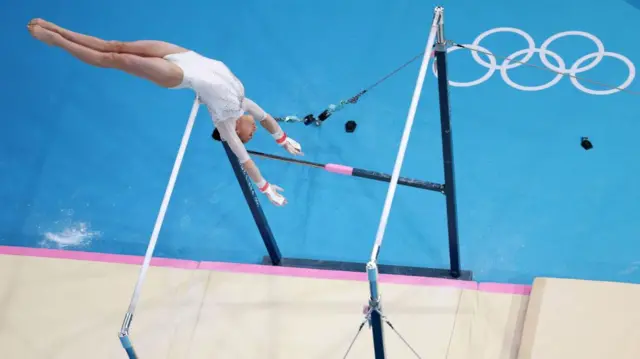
(585, 143)
(309, 119)
(350, 126)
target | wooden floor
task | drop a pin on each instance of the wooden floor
(57, 304)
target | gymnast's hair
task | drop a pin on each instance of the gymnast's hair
(216, 135)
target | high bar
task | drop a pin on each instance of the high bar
(356, 172)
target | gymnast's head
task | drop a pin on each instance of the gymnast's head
(245, 128)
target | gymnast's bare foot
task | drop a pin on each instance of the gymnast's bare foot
(42, 34)
(44, 24)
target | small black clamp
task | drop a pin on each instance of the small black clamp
(585, 143)
(309, 119)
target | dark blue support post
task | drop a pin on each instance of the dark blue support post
(447, 153)
(377, 330)
(254, 206)
(375, 318)
(128, 347)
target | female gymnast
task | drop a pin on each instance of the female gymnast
(174, 67)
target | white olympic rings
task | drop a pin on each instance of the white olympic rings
(561, 69)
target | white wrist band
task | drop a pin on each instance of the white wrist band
(261, 184)
(278, 135)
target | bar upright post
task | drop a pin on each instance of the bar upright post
(447, 149)
(255, 207)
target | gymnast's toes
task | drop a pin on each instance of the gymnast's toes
(35, 21)
(43, 34)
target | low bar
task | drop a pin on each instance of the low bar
(356, 172)
(447, 152)
(254, 205)
(404, 181)
(286, 159)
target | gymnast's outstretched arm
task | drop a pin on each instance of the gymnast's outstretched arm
(271, 125)
(228, 133)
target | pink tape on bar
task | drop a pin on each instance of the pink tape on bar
(339, 169)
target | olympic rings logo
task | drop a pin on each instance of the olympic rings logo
(561, 69)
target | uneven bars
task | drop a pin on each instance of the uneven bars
(124, 331)
(356, 172)
(405, 137)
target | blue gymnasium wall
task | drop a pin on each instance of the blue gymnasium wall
(86, 152)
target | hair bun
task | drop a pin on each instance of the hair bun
(216, 135)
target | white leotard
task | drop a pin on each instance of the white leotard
(221, 91)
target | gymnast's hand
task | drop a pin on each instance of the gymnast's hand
(291, 145)
(271, 191)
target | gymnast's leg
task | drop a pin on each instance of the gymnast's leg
(145, 48)
(135, 58)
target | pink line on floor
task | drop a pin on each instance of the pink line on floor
(263, 269)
